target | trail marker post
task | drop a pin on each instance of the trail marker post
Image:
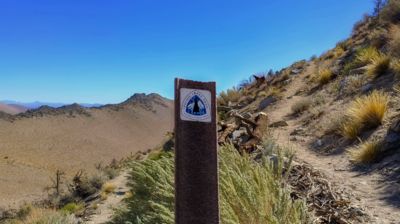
(196, 174)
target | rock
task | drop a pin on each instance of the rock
(358, 71)
(297, 131)
(366, 88)
(238, 133)
(319, 143)
(274, 160)
(223, 108)
(281, 123)
(395, 127)
(293, 139)
(247, 115)
(266, 102)
(392, 139)
(296, 71)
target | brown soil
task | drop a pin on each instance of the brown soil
(373, 191)
(105, 209)
(36, 144)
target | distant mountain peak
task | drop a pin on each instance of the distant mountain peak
(142, 97)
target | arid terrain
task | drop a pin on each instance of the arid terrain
(12, 108)
(37, 143)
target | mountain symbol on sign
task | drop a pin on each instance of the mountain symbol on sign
(196, 106)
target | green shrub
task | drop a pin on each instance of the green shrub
(44, 216)
(250, 192)
(72, 208)
(152, 186)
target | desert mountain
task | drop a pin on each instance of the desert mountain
(37, 104)
(12, 108)
(36, 143)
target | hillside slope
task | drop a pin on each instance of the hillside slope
(339, 112)
(37, 143)
(12, 109)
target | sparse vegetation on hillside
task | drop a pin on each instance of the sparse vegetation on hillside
(250, 192)
(365, 112)
(365, 152)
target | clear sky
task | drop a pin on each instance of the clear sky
(103, 51)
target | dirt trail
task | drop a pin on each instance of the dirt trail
(105, 209)
(368, 189)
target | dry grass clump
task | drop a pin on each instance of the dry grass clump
(301, 106)
(324, 76)
(354, 83)
(379, 66)
(333, 125)
(365, 152)
(230, 96)
(338, 51)
(366, 56)
(365, 112)
(108, 188)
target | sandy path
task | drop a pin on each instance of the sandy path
(105, 209)
(369, 189)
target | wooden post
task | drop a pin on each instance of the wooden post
(196, 166)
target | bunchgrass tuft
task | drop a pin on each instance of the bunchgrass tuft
(379, 66)
(365, 152)
(366, 56)
(108, 188)
(324, 76)
(249, 192)
(364, 113)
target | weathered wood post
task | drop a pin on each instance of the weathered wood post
(196, 174)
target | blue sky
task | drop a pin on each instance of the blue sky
(104, 51)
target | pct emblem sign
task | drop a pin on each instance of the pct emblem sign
(195, 105)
